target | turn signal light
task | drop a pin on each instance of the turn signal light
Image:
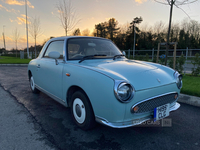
(176, 95)
(135, 109)
(67, 74)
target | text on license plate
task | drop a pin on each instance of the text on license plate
(161, 112)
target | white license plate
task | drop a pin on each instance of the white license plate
(161, 112)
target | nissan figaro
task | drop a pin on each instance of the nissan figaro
(99, 84)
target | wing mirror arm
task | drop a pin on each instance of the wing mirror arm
(56, 61)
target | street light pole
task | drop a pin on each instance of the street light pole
(26, 29)
(4, 41)
(134, 42)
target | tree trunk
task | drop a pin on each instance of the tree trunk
(170, 20)
(66, 32)
(35, 49)
(16, 49)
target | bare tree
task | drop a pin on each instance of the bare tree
(172, 3)
(35, 30)
(175, 30)
(16, 36)
(124, 27)
(85, 32)
(68, 15)
(159, 27)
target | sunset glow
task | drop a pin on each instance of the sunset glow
(90, 12)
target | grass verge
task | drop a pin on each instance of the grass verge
(13, 60)
(191, 85)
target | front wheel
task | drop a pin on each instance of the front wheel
(81, 111)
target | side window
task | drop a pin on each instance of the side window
(55, 46)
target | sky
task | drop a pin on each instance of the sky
(90, 12)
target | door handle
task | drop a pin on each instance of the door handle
(38, 66)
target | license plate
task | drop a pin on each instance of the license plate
(161, 112)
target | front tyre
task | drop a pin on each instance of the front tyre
(32, 85)
(81, 111)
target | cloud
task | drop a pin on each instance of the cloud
(23, 15)
(12, 10)
(2, 7)
(22, 39)
(15, 11)
(7, 39)
(21, 20)
(11, 20)
(16, 2)
(140, 1)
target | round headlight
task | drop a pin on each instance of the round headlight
(124, 92)
(178, 78)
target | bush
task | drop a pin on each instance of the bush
(146, 58)
(161, 61)
(171, 63)
(136, 57)
(154, 58)
(196, 64)
(179, 63)
(141, 57)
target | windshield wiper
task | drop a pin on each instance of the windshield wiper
(90, 56)
(117, 56)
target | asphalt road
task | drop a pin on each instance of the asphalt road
(55, 128)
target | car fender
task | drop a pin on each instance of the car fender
(99, 89)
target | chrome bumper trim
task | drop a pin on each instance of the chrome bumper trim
(175, 107)
(131, 122)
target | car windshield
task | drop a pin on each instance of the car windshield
(80, 48)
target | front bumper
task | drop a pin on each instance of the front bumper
(131, 122)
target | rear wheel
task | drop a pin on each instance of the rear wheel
(32, 85)
(81, 111)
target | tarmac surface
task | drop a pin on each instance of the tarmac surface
(34, 121)
(16, 127)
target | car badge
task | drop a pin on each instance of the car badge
(158, 80)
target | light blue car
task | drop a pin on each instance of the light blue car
(92, 77)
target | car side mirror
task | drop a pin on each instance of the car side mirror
(55, 55)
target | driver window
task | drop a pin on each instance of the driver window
(55, 46)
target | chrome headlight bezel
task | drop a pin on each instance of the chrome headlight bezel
(120, 85)
(178, 78)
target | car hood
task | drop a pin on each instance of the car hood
(140, 74)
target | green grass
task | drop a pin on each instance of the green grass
(191, 85)
(13, 60)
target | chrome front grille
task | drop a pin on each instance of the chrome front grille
(149, 104)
